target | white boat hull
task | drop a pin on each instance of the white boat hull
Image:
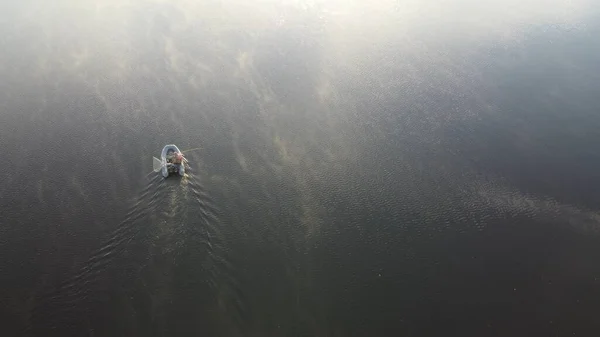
(163, 159)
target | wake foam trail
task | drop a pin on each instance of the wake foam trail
(172, 220)
(68, 297)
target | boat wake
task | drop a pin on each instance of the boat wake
(171, 226)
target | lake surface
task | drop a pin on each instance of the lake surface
(390, 169)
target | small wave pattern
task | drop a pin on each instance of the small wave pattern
(170, 222)
(512, 202)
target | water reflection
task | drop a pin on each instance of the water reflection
(364, 167)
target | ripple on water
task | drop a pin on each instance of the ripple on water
(171, 227)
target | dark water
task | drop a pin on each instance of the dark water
(393, 169)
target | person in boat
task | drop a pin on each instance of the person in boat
(170, 156)
(174, 160)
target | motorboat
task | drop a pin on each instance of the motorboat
(171, 162)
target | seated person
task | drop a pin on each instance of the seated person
(170, 155)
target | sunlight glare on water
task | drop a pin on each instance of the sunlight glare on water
(359, 168)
